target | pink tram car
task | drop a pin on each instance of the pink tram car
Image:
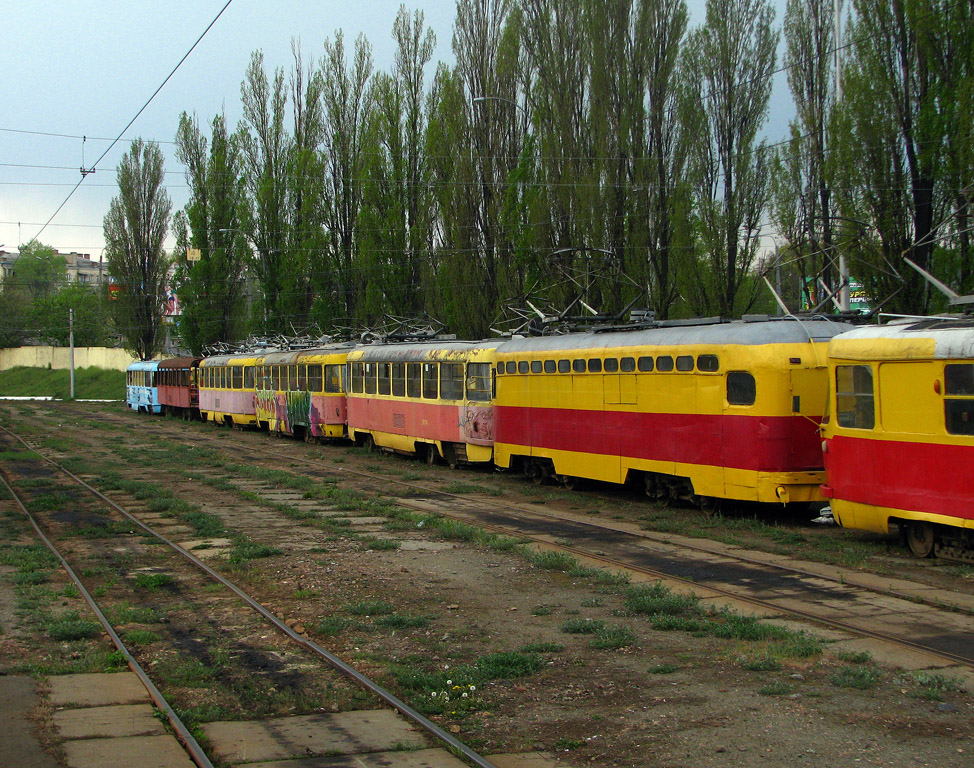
(431, 399)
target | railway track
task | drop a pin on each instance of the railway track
(181, 575)
(598, 707)
(898, 613)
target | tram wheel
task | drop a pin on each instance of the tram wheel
(920, 538)
(432, 455)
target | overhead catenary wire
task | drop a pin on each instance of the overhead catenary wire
(85, 172)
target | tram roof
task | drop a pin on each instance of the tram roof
(423, 350)
(742, 332)
(909, 339)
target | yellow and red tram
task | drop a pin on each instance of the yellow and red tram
(702, 410)
(427, 398)
(899, 439)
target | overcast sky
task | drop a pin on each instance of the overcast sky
(73, 70)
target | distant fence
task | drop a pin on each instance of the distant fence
(60, 358)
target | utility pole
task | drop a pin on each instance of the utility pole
(71, 345)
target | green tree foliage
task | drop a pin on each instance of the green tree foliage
(49, 317)
(135, 228)
(803, 206)
(903, 158)
(266, 146)
(39, 271)
(729, 63)
(346, 104)
(605, 152)
(396, 220)
(213, 290)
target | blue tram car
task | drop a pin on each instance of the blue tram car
(141, 389)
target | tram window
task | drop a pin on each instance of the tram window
(522, 366)
(564, 366)
(385, 378)
(854, 396)
(627, 364)
(478, 382)
(399, 379)
(358, 377)
(536, 366)
(664, 363)
(237, 377)
(959, 411)
(684, 363)
(611, 365)
(303, 377)
(708, 363)
(315, 379)
(500, 367)
(249, 375)
(959, 379)
(430, 378)
(549, 366)
(578, 366)
(511, 366)
(414, 378)
(594, 365)
(332, 378)
(368, 373)
(645, 364)
(741, 388)
(451, 381)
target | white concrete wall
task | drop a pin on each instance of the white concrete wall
(60, 358)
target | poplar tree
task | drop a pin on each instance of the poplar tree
(135, 229)
(729, 63)
(212, 290)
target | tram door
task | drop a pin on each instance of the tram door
(809, 399)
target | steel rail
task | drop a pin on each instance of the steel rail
(365, 682)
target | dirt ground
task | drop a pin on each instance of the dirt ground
(668, 698)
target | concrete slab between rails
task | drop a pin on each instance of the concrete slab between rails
(126, 752)
(888, 653)
(344, 733)
(108, 722)
(18, 696)
(204, 548)
(96, 690)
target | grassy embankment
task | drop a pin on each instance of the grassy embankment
(89, 383)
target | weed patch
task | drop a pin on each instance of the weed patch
(860, 678)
